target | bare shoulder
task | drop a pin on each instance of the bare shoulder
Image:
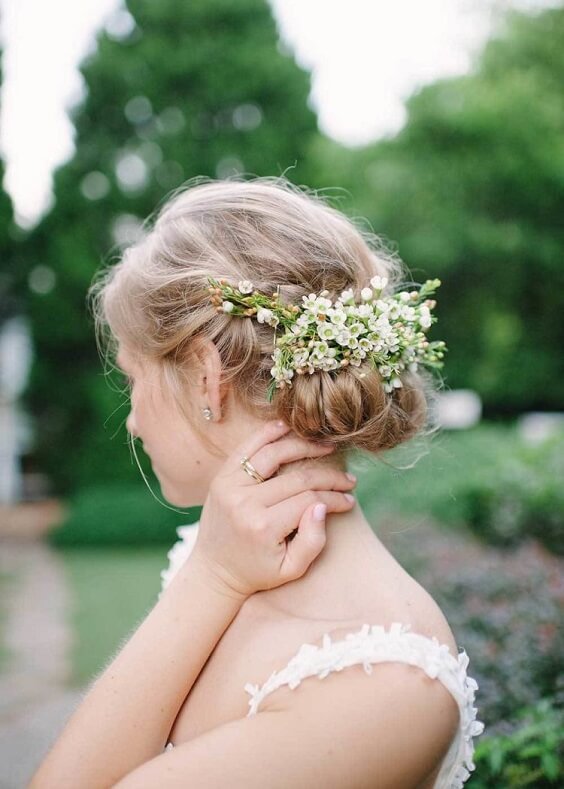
(349, 730)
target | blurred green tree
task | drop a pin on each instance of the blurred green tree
(472, 191)
(11, 301)
(173, 90)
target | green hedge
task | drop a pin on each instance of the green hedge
(119, 515)
(529, 757)
(520, 497)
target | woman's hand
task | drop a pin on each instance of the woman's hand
(244, 523)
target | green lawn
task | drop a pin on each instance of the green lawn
(112, 589)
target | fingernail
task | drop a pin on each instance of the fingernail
(319, 512)
(349, 497)
(350, 476)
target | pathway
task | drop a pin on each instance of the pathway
(34, 697)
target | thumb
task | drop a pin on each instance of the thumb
(308, 542)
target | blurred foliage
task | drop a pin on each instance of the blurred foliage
(523, 496)
(472, 191)
(199, 88)
(504, 606)
(424, 476)
(11, 285)
(531, 757)
(118, 514)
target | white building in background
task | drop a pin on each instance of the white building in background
(15, 432)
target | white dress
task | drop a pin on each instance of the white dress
(371, 644)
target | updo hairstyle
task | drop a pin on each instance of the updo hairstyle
(155, 300)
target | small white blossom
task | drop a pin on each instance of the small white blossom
(424, 316)
(245, 286)
(404, 296)
(364, 310)
(337, 316)
(347, 295)
(264, 315)
(366, 294)
(379, 283)
(356, 328)
(408, 313)
(228, 306)
(327, 331)
(343, 337)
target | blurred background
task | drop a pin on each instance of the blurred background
(441, 123)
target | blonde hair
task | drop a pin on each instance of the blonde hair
(273, 233)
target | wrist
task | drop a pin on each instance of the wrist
(212, 578)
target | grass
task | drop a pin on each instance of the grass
(112, 590)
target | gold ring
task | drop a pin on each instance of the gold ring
(251, 470)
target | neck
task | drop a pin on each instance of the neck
(330, 586)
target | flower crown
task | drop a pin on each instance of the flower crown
(388, 331)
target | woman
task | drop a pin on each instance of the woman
(270, 591)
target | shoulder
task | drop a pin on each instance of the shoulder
(391, 728)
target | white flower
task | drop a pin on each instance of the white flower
(347, 295)
(404, 296)
(319, 349)
(396, 383)
(337, 316)
(383, 306)
(343, 337)
(326, 331)
(245, 286)
(366, 294)
(424, 316)
(316, 304)
(408, 313)
(364, 344)
(356, 328)
(300, 356)
(379, 283)
(264, 315)
(228, 306)
(364, 310)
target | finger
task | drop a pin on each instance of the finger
(307, 544)
(287, 449)
(289, 512)
(272, 491)
(270, 431)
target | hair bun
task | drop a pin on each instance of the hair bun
(352, 409)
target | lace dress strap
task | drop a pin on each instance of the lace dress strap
(373, 644)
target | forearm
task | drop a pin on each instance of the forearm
(127, 715)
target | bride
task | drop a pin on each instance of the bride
(264, 338)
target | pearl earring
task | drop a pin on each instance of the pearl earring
(207, 413)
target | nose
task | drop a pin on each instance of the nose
(130, 425)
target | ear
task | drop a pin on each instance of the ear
(210, 388)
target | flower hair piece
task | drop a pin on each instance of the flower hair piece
(387, 331)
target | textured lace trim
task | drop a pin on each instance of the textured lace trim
(372, 644)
